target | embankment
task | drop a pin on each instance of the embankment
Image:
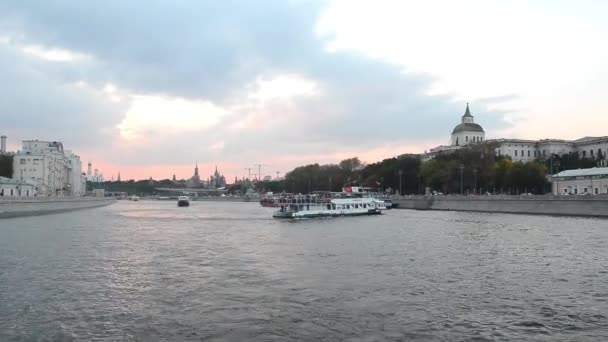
(50, 205)
(537, 205)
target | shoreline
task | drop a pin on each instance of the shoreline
(526, 205)
(22, 207)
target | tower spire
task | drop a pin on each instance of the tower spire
(468, 112)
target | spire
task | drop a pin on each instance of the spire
(196, 169)
(467, 112)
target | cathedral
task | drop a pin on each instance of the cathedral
(217, 180)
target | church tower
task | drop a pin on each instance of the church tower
(467, 132)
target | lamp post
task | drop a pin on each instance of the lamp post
(461, 179)
(400, 188)
(475, 182)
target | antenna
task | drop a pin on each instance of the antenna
(260, 168)
(249, 174)
(278, 174)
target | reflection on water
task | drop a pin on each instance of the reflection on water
(151, 271)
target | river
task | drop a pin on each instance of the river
(150, 271)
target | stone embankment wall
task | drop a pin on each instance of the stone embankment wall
(48, 205)
(539, 205)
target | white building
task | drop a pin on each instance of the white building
(57, 172)
(13, 188)
(527, 150)
(76, 181)
(468, 132)
(592, 181)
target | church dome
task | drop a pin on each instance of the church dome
(467, 127)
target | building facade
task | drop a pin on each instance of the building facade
(467, 132)
(217, 180)
(520, 150)
(13, 188)
(592, 181)
(55, 171)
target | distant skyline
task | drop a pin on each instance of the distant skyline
(148, 89)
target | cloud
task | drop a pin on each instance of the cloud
(37, 105)
(238, 81)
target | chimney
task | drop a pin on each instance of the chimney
(3, 144)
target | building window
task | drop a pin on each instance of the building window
(516, 153)
(22, 161)
(466, 138)
(35, 161)
(597, 191)
(591, 153)
(584, 154)
(544, 153)
(528, 153)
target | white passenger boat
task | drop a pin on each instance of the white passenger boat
(183, 201)
(311, 206)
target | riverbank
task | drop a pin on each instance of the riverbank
(48, 205)
(537, 205)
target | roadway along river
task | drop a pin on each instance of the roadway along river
(149, 271)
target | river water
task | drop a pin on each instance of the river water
(149, 271)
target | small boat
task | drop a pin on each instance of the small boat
(134, 198)
(307, 206)
(183, 201)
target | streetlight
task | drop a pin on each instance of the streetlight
(475, 183)
(461, 180)
(400, 188)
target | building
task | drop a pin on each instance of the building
(217, 180)
(13, 188)
(468, 132)
(528, 150)
(55, 171)
(195, 180)
(592, 181)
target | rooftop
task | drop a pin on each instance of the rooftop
(467, 127)
(596, 171)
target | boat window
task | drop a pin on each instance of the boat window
(329, 207)
(356, 206)
(348, 206)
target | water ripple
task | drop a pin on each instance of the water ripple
(149, 271)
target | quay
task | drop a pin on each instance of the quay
(587, 206)
(29, 206)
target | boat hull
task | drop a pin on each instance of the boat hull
(333, 213)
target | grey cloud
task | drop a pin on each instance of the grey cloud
(213, 50)
(36, 105)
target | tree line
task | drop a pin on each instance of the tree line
(475, 169)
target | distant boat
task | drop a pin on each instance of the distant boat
(134, 198)
(183, 201)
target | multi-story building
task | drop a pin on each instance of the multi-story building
(57, 172)
(468, 132)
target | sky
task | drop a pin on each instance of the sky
(149, 88)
